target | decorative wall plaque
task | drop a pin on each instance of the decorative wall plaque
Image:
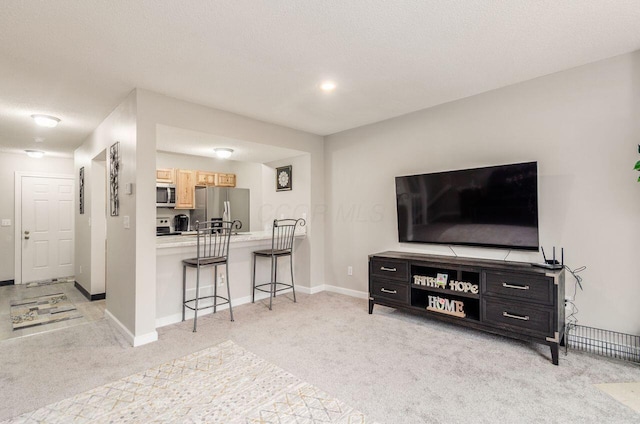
(81, 186)
(114, 167)
(283, 178)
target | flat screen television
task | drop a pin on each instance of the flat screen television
(495, 206)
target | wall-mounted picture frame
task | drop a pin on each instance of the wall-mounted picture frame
(114, 168)
(283, 178)
(81, 188)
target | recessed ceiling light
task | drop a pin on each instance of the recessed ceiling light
(328, 86)
(223, 152)
(35, 153)
(46, 120)
(38, 139)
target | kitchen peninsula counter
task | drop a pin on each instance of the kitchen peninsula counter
(171, 250)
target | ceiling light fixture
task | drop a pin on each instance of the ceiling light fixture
(328, 86)
(46, 120)
(35, 153)
(223, 152)
(38, 139)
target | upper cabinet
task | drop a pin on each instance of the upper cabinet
(187, 180)
(205, 178)
(225, 180)
(166, 175)
(185, 189)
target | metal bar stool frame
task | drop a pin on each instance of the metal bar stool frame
(212, 251)
(282, 237)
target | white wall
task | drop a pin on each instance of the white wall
(10, 163)
(130, 285)
(583, 128)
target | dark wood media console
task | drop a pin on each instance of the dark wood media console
(512, 299)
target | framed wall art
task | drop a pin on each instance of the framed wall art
(81, 194)
(283, 178)
(114, 168)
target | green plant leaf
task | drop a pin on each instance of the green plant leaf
(637, 167)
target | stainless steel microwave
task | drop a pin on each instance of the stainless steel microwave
(165, 195)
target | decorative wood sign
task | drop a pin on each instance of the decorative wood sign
(454, 285)
(446, 306)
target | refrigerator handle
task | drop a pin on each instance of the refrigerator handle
(227, 211)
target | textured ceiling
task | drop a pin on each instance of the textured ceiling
(264, 59)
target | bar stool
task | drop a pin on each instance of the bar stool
(213, 251)
(281, 245)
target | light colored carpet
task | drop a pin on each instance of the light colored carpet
(394, 367)
(221, 384)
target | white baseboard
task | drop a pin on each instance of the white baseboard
(176, 318)
(346, 292)
(135, 341)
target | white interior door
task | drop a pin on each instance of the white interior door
(47, 228)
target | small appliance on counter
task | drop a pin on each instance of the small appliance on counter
(181, 223)
(163, 226)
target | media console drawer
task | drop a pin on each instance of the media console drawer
(518, 316)
(538, 289)
(390, 290)
(389, 268)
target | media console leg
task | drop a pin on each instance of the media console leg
(554, 353)
(370, 307)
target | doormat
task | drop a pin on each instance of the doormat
(42, 310)
(51, 281)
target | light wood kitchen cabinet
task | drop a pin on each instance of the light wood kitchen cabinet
(225, 180)
(165, 175)
(185, 189)
(205, 178)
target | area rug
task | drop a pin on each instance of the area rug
(221, 384)
(42, 310)
(50, 281)
(626, 393)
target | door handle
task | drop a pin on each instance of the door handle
(26, 235)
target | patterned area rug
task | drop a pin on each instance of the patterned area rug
(42, 310)
(222, 384)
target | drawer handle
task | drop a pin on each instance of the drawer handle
(513, 286)
(383, 290)
(520, 317)
(383, 268)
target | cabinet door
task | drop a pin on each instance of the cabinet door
(165, 175)
(185, 189)
(226, 180)
(205, 178)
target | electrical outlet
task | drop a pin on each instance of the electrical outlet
(349, 270)
(6, 222)
(80, 269)
(220, 280)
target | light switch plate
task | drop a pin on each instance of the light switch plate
(6, 223)
(126, 221)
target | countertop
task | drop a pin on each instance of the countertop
(163, 242)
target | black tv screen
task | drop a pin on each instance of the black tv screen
(496, 206)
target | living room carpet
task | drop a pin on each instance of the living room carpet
(221, 384)
(42, 310)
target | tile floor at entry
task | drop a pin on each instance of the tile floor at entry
(91, 311)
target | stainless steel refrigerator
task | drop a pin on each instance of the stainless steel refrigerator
(222, 203)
